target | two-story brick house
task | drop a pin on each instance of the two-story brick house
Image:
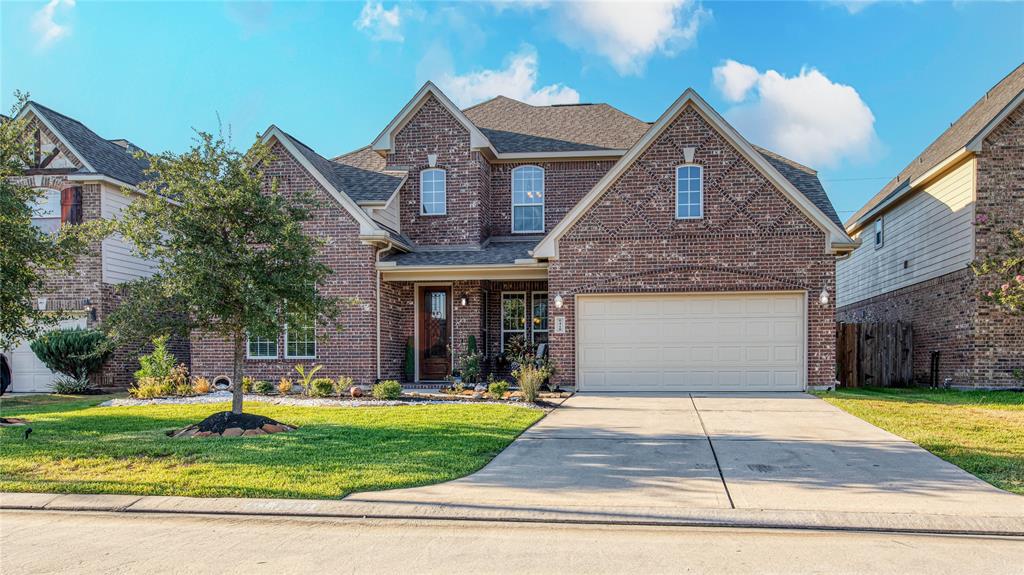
(82, 176)
(671, 255)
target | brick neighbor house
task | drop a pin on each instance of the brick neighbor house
(82, 176)
(919, 234)
(664, 256)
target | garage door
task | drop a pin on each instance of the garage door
(705, 342)
(28, 373)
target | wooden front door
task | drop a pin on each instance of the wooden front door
(435, 333)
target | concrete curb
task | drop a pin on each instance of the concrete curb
(665, 517)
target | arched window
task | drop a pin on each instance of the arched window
(689, 192)
(46, 212)
(432, 192)
(527, 200)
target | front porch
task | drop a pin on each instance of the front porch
(428, 326)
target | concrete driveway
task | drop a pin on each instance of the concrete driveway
(651, 455)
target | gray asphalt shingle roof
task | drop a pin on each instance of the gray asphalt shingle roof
(106, 157)
(805, 180)
(959, 133)
(360, 184)
(495, 252)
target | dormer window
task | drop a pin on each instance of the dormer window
(527, 200)
(433, 192)
(689, 192)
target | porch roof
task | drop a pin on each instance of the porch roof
(492, 253)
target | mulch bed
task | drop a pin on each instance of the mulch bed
(228, 424)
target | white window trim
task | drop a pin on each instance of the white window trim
(248, 348)
(878, 232)
(533, 330)
(289, 356)
(526, 311)
(444, 212)
(543, 199)
(675, 206)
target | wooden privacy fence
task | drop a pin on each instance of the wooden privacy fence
(875, 354)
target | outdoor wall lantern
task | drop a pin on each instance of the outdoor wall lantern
(558, 301)
(462, 300)
(823, 298)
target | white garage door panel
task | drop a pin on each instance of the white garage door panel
(706, 342)
(28, 373)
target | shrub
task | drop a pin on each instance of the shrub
(263, 387)
(67, 385)
(530, 375)
(178, 381)
(201, 386)
(284, 387)
(497, 389)
(150, 387)
(307, 376)
(160, 363)
(74, 352)
(387, 389)
(344, 384)
(320, 387)
(469, 365)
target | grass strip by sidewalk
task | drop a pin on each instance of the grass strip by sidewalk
(981, 432)
(77, 447)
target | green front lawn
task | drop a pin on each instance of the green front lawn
(979, 431)
(77, 447)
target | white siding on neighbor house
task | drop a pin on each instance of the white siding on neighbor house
(932, 231)
(119, 263)
(388, 215)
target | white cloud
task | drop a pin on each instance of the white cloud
(858, 6)
(628, 34)
(380, 24)
(44, 25)
(806, 117)
(517, 80)
(734, 80)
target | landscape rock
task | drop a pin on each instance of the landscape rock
(232, 432)
(251, 432)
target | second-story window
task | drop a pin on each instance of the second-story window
(432, 192)
(46, 212)
(527, 199)
(879, 232)
(689, 192)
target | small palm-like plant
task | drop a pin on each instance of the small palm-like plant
(307, 376)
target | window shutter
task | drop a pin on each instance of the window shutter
(71, 205)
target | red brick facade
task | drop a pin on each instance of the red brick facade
(751, 238)
(349, 350)
(980, 345)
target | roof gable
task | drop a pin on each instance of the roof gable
(836, 236)
(98, 155)
(385, 141)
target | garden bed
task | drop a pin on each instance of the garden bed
(305, 401)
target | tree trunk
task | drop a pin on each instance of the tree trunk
(237, 376)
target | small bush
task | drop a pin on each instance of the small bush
(321, 387)
(307, 376)
(344, 384)
(285, 386)
(201, 386)
(67, 385)
(150, 387)
(75, 352)
(160, 363)
(387, 390)
(530, 376)
(497, 389)
(178, 381)
(247, 383)
(263, 387)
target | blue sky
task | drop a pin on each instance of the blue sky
(855, 89)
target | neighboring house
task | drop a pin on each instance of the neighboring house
(919, 234)
(81, 176)
(671, 255)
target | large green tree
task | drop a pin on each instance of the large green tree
(27, 253)
(232, 255)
